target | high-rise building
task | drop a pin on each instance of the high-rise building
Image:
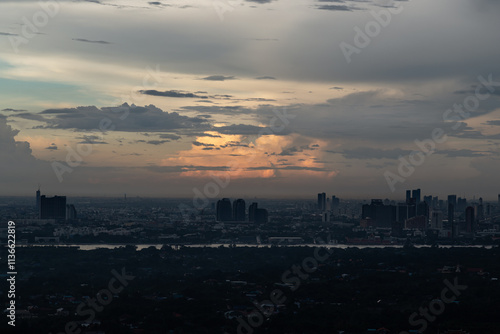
(252, 210)
(415, 194)
(261, 216)
(498, 199)
(239, 210)
(452, 199)
(335, 204)
(437, 220)
(402, 213)
(70, 212)
(382, 215)
(451, 219)
(480, 210)
(321, 201)
(469, 219)
(408, 196)
(224, 210)
(38, 201)
(53, 207)
(428, 200)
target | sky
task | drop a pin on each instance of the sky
(250, 98)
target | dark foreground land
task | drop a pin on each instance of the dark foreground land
(250, 290)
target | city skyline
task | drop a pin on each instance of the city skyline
(193, 97)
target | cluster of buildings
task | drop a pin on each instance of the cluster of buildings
(447, 218)
(236, 212)
(54, 207)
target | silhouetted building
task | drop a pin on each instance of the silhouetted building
(335, 204)
(261, 216)
(451, 218)
(239, 210)
(480, 211)
(428, 200)
(452, 199)
(437, 220)
(38, 201)
(461, 204)
(70, 212)
(423, 209)
(408, 196)
(224, 210)
(416, 223)
(382, 215)
(469, 219)
(415, 194)
(252, 209)
(322, 201)
(53, 207)
(402, 212)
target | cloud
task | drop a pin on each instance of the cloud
(172, 93)
(52, 147)
(92, 139)
(219, 78)
(130, 118)
(373, 153)
(157, 142)
(90, 41)
(266, 78)
(14, 110)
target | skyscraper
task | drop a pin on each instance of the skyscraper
(224, 210)
(53, 207)
(469, 219)
(415, 194)
(437, 220)
(335, 205)
(451, 219)
(322, 201)
(252, 210)
(408, 196)
(452, 199)
(239, 210)
(38, 201)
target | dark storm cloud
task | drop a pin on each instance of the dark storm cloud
(123, 118)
